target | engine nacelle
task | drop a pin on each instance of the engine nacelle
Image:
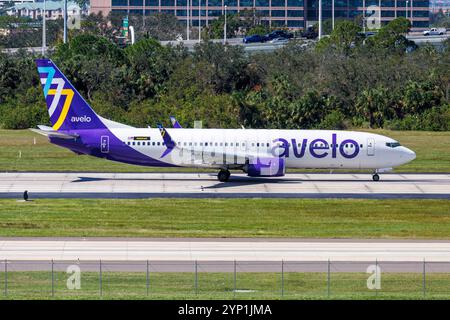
(265, 167)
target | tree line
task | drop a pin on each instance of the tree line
(343, 81)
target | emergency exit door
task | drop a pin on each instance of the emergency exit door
(370, 147)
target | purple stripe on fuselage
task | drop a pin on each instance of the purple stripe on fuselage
(89, 143)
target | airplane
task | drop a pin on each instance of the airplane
(257, 152)
(175, 123)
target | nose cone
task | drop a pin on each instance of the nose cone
(409, 155)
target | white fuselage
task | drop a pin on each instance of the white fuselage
(229, 148)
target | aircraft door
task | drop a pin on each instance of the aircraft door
(370, 147)
(104, 144)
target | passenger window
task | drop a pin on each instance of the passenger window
(157, 143)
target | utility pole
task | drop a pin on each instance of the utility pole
(65, 21)
(225, 27)
(43, 28)
(320, 19)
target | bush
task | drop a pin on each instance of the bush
(334, 120)
(434, 119)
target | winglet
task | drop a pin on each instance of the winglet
(175, 123)
(169, 143)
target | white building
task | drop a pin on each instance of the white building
(34, 10)
(2, 2)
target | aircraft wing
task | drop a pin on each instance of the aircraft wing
(49, 132)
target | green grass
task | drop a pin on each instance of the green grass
(133, 285)
(307, 218)
(432, 148)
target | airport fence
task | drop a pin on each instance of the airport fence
(224, 280)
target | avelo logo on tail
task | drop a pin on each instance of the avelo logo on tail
(81, 119)
(66, 107)
(54, 95)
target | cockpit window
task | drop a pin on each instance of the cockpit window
(393, 144)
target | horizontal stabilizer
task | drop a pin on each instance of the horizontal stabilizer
(49, 132)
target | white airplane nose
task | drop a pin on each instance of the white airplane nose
(409, 154)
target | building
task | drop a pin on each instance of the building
(291, 13)
(34, 10)
(440, 5)
(6, 2)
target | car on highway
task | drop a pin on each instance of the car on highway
(279, 34)
(279, 41)
(310, 33)
(254, 38)
(435, 32)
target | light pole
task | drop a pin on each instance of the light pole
(332, 15)
(43, 29)
(199, 21)
(65, 21)
(364, 16)
(406, 9)
(320, 19)
(225, 27)
(187, 19)
(143, 13)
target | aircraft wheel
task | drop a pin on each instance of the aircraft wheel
(376, 177)
(223, 175)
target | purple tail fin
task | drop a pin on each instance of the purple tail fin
(66, 107)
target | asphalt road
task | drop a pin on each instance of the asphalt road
(210, 250)
(218, 255)
(206, 185)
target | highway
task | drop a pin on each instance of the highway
(418, 38)
(206, 185)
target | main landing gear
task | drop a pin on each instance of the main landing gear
(375, 177)
(223, 175)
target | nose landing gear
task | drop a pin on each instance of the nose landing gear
(375, 177)
(223, 175)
